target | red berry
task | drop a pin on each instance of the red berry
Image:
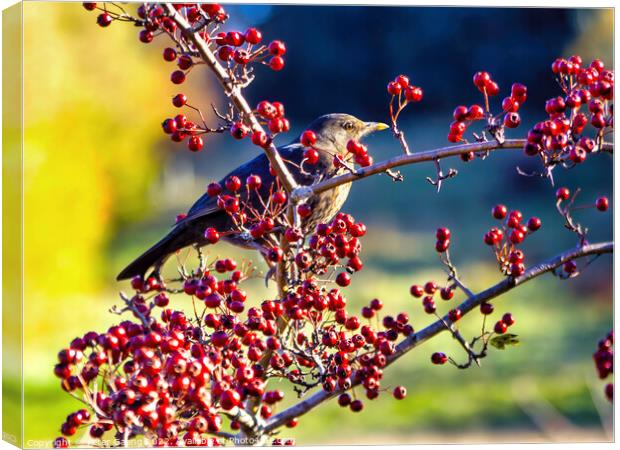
(214, 189)
(376, 304)
(460, 113)
(279, 197)
(179, 100)
(169, 126)
(304, 210)
(89, 6)
(562, 194)
(343, 279)
(400, 392)
(233, 183)
(500, 327)
(454, 314)
(308, 138)
(446, 293)
(492, 88)
(104, 19)
(170, 54)
(414, 94)
(512, 120)
(439, 358)
(570, 267)
(475, 112)
(516, 236)
(402, 80)
(499, 212)
(430, 287)
(276, 254)
(602, 203)
(177, 77)
(239, 130)
(277, 48)
(442, 246)
(259, 138)
(394, 88)
(519, 92)
(442, 234)
(145, 36)
(276, 63)
(356, 405)
(253, 182)
(195, 143)
(253, 36)
(311, 156)
(229, 399)
(508, 319)
(534, 223)
(344, 399)
(481, 80)
(510, 104)
(486, 308)
(212, 235)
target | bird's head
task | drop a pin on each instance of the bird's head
(333, 131)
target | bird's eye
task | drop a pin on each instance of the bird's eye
(347, 126)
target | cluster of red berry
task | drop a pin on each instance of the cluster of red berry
(401, 86)
(330, 243)
(358, 152)
(604, 362)
(464, 116)
(443, 240)
(234, 48)
(231, 48)
(145, 372)
(272, 115)
(428, 291)
(501, 325)
(227, 353)
(235, 198)
(402, 93)
(361, 357)
(560, 137)
(505, 239)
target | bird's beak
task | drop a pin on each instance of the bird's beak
(376, 126)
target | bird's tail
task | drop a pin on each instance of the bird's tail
(153, 256)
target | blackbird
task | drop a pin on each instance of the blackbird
(333, 131)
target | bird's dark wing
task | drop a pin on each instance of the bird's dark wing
(207, 205)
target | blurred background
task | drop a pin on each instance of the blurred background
(102, 183)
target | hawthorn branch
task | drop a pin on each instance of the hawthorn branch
(414, 158)
(233, 92)
(438, 326)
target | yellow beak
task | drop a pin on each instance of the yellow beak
(377, 126)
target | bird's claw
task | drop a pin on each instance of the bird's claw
(270, 273)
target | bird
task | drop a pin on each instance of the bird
(333, 132)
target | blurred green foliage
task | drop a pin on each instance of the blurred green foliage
(100, 186)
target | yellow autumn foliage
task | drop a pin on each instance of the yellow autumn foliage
(92, 107)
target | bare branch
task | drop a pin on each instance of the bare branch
(438, 326)
(414, 158)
